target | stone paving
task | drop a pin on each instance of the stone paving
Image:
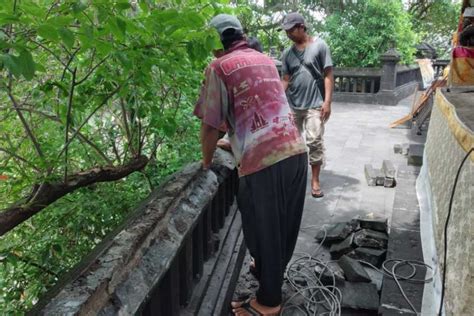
(356, 134)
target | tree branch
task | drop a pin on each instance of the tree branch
(48, 193)
(106, 99)
(23, 121)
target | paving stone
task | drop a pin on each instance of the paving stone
(360, 296)
(378, 224)
(376, 277)
(370, 238)
(415, 154)
(330, 274)
(389, 169)
(379, 177)
(370, 175)
(339, 249)
(353, 270)
(389, 182)
(370, 255)
(335, 232)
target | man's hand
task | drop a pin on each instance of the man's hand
(325, 111)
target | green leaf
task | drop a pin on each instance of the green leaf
(27, 64)
(67, 37)
(49, 32)
(12, 64)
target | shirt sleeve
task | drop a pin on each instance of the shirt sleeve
(326, 55)
(213, 101)
(284, 64)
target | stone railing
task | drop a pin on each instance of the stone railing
(386, 85)
(179, 253)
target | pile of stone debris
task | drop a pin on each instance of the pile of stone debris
(349, 244)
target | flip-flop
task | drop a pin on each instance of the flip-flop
(248, 308)
(319, 194)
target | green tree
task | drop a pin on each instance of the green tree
(96, 101)
(360, 33)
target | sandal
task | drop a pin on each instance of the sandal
(249, 309)
(317, 194)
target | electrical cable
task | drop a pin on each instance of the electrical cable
(304, 275)
(445, 236)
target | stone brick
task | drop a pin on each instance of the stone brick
(360, 296)
(370, 238)
(370, 175)
(415, 154)
(389, 182)
(326, 274)
(339, 249)
(335, 232)
(370, 255)
(353, 270)
(378, 224)
(389, 169)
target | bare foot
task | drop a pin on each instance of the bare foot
(254, 308)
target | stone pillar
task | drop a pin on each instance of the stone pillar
(389, 69)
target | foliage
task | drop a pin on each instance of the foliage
(88, 86)
(361, 33)
(437, 24)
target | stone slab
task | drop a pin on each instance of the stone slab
(378, 224)
(341, 248)
(370, 238)
(353, 270)
(370, 175)
(360, 296)
(415, 154)
(370, 255)
(389, 169)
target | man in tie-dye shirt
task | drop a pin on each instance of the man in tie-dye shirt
(243, 92)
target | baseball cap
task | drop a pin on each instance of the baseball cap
(223, 22)
(469, 12)
(292, 19)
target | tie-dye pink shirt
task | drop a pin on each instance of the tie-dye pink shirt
(243, 90)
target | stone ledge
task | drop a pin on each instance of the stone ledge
(134, 253)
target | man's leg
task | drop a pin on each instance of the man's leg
(314, 139)
(273, 199)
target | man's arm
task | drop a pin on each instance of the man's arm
(285, 81)
(328, 89)
(209, 137)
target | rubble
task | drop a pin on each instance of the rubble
(353, 270)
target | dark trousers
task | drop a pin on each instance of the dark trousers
(271, 203)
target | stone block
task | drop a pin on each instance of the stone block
(360, 296)
(389, 169)
(339, 249)
(389, 182)
(378, 224)
(330, 275)
(370, 238)
(370, 255)
(353, 270)
(370, 175)
(415, 154)
(376, 277)
(379, 177)
(335, 232)
(400, 149)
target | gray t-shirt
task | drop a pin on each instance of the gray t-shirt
(306, 86)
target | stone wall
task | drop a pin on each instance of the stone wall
(167, 232)
(448, 141)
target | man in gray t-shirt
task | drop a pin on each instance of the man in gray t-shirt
(307, 77)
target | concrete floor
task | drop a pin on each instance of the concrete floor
(356, 134)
